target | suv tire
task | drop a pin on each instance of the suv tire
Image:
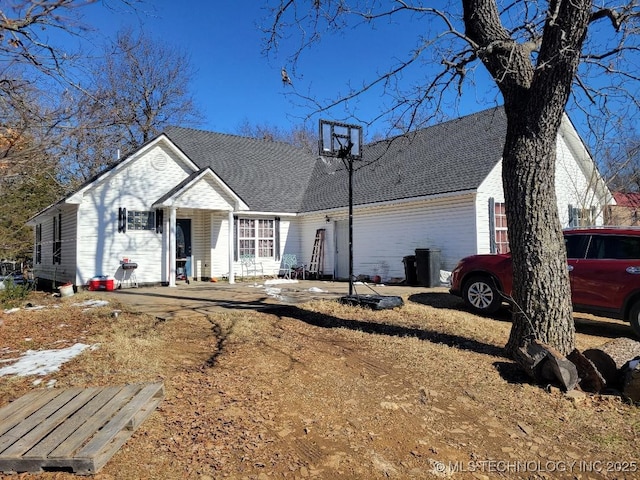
(481, 294)
(634, 317)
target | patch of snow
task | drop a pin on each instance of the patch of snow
(86, 303)
(317, 290)
(35, 307)
(92, 303)
(274, 292)
(42, 362)
(278, 281)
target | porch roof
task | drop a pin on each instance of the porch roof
(202, 189)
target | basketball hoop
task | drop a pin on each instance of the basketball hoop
(341, 142)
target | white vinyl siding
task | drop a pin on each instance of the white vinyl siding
(101, 246)
(383, 235)
(64, 270)
(576, 189)
(491, 188)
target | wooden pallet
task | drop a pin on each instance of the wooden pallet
(76, 430)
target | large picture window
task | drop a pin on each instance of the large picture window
(140, 220)
(256, 237)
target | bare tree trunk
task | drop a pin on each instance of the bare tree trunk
(541, 280)
(535, 95)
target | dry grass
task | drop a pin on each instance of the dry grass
(342, 392)
(125, 349)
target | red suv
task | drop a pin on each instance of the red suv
(604, 269)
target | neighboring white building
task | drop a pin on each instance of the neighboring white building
(197, 202)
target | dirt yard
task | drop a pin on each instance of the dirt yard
(319, 390)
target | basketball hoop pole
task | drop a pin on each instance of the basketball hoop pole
(344, 154)
(338, 140)
(348, 162)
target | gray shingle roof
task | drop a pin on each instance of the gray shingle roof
(449, 157)
(268, 176)
(272, 176)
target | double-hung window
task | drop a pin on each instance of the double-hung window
(581, 217)
(256, 237)
(141, 220)
(500, 233)
(57, 239)
(39, 243)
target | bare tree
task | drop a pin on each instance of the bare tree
(24, 30)
(29, 132)
(535, 53)
(300, 136)
(36, 114)
(622, 166)
(140, 87)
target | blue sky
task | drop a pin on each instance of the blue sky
(236, 82)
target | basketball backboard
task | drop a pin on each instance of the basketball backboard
(340, 140)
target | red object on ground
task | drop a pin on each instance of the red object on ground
(102, 283)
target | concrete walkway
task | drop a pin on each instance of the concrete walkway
(204, 297)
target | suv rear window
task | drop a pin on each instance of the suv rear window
(617, 247)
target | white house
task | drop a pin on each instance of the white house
(198, 202)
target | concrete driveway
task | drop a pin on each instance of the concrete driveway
(204, 297)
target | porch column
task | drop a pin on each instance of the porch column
(172, 246)
(212, 235)
(231, 247)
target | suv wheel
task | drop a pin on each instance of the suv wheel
(481, 295)
(634, 318)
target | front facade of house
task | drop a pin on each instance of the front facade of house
(194, 205)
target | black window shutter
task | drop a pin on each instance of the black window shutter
(235, 238)
(55, 242)
(277, 238)
(120, 220)
(159, 220)
(571, 219)
(492, 225)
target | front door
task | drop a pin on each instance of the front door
(183, 249)
(342, 250)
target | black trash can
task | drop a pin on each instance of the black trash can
(410, 273)
(428, 267)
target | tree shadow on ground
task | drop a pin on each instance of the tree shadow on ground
(328, 321)
(585, 324)
(602, 327)
(447, 301)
